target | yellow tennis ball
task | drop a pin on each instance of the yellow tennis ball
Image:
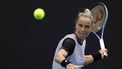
(39, 13)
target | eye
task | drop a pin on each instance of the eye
(87, 26)
(80, 25)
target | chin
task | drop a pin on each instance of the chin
(81, 37)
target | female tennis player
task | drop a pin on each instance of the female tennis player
(70, 52)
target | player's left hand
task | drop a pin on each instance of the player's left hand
(104, 53)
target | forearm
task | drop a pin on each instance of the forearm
(88, 59)
(60, 56)
(92, 58)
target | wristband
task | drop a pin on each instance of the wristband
(96, 56)
(65, 62)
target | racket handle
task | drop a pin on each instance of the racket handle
(102, 46)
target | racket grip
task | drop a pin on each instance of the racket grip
(102, 46)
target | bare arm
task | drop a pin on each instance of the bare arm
(90, 58)
(60, 56)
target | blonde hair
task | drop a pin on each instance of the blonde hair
(86, 13)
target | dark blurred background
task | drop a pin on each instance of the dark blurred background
(27, 43)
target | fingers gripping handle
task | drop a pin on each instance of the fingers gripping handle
(102, 46)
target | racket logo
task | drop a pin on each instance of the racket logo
(99, 17)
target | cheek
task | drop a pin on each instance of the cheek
(86, 34)
(88, 31)
(76, 28)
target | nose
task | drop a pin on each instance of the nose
(82, 28)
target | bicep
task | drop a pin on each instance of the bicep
(66, 49)
(68, 45)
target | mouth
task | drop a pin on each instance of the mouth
(81, 33)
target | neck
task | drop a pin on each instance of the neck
(80, 41)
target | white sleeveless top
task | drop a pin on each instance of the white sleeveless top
(77, 57)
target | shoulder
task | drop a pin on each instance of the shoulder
(69, 40)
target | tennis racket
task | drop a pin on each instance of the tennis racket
(100, 15)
